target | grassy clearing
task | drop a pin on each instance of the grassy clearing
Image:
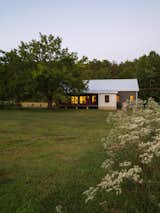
(49, 158)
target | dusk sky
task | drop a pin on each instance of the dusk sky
(116, 30)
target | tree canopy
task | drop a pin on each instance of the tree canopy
(40, 69)
(43, 70)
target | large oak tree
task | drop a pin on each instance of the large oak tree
(43, 69)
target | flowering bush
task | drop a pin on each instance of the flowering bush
(132, 180)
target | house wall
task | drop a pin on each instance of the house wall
(112, 104)
(126, 96)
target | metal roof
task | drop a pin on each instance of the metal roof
(100, 91)
(112, 85)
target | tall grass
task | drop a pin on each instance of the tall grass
(132, 180)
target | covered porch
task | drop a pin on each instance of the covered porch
(81, 101)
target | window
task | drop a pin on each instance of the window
(94, 99)
(74, 99)
(82, 99)
(118, 98)
(106, 98)
(131, 98)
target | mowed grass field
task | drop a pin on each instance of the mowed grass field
(48, 158)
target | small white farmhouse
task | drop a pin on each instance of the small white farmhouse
(106, 94)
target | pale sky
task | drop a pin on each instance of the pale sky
(116, 30)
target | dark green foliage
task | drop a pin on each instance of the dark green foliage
(39, 69)
(14, 77)
(146, 69)
(43, 70)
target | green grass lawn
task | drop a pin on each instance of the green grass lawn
(49, 158)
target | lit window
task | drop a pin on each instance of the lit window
(93, 99)
(74, 99)
(118, 98)
(106, 98)
(82, 99)
(131, 98)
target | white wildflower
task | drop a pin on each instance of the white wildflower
(132, 145)
(107, 164)
(59, 209)
(125, 164)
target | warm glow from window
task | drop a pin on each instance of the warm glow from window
(93, 99)
(82, 99)
(131, 98)
(118, 98)
(74, 99)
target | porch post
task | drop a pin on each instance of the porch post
(136, 98)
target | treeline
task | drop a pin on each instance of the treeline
(41, 70)
(146, 69)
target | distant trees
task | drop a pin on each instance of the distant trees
(148, 73)
(145, 68)
(43, 70)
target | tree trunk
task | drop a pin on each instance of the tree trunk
(50, 103)
(17, 102)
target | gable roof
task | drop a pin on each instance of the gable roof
(112, 85)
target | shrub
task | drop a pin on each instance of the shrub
(132, 180)
(8, 105)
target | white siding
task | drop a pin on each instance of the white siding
(112, 104)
